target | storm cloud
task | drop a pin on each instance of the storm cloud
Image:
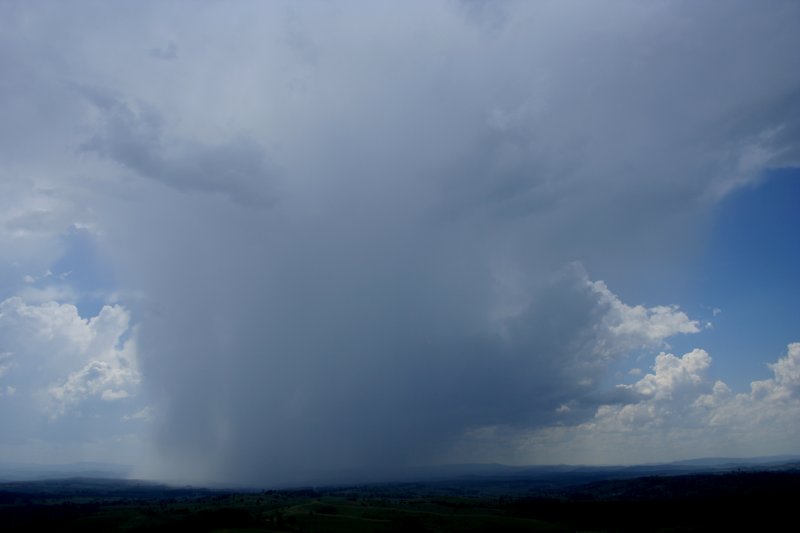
(364, 233)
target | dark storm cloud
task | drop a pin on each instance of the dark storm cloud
(344, 366)
(403, 295)
(440, 164)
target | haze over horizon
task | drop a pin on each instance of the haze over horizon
(243, 241)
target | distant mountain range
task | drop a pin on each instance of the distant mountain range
(546, 475)
(10, 471)
(554, 475)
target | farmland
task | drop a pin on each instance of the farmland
(652, 503)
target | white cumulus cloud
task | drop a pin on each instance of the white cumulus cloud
(678, 412)
(58, 360)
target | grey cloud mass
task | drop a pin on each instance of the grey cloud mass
(134, 138)
(436, 185)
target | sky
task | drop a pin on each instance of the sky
(253, 241)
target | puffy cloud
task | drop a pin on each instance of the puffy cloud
(676, 412)
(53, 339)
(787, 371)
(109, 380)
(671, 373)
(637, 326)
(664, 395)
(771, 404)
(60, 368)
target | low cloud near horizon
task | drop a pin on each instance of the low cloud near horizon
(255, 241)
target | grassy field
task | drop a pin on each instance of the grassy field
(658, 503)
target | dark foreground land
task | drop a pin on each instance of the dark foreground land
(739, 500)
